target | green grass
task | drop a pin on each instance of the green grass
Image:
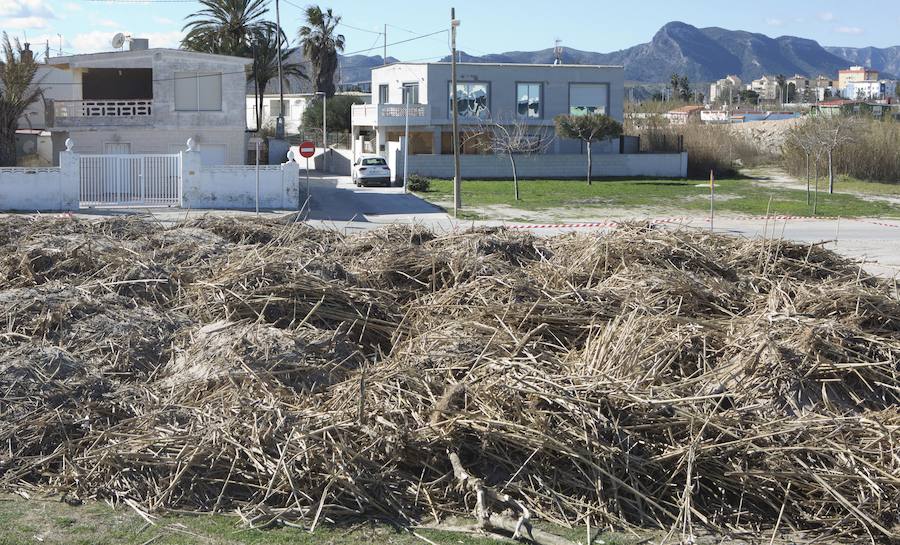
(852, 185)
(53, 522)
(742, 196)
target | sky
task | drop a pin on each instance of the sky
(486, 26)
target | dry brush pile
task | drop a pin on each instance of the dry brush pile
(670, 379)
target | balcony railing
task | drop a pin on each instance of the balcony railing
(390, 114)
(66, 109)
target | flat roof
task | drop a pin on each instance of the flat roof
(67, 60)
(519, 64)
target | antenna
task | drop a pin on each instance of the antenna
(118, 41)
(557, 52)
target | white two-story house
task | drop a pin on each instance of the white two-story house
(531, 93)
(149, 101)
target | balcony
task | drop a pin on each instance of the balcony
(390, 115)
(99, 113)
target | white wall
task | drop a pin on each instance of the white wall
(234, 187)
(41, 189)
(673, 165)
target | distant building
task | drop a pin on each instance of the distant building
(725, 89)
(870, 90)
(684, 115)
(854, 107)
(824, 88)
(853, 74)
(766, 87)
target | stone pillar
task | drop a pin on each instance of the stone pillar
(191, 177)
(290, 183)
(69, 178)
(381, 140)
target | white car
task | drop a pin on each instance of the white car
(370, 170)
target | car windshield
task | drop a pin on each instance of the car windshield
(375, 161)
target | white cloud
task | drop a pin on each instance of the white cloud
(108, 23)
(852, 30)
(25, 8)
(72, 6)
(24, 23)
(826, 16)
(775, 22)
(164, 20)
(100, 40)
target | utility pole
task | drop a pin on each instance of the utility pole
(385, 44)
(457, 197)
(279, 122)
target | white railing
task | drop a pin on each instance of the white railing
(28, 170)
(102, 108)
(130, 180)
(394, 110)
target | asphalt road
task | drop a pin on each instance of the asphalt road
(334, 202)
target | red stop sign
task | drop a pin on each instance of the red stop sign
(307, 149)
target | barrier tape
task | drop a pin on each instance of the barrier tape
(685, 220)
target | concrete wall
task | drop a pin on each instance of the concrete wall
(144, 140)
(234, 187)
(653, 165)
(334, 161)
(41, 189)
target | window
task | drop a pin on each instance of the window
(472, 99)
(275, 108)
(588, 98)
(410, 93)
(384, 96)
(373, 161)
(198, 91)
(528, 96)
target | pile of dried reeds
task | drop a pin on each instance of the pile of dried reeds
(662, 378)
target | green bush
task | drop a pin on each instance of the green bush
(417, 182)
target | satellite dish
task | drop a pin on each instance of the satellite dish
(118, 40)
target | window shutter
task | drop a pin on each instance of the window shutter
(186, 91)
(210, 95)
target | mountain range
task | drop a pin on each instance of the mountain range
(702, 54)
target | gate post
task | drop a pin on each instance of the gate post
(69, 178)
(191, 169)
(290, 182)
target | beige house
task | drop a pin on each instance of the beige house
(149, 101)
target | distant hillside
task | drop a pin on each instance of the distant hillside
(886, 60)
(703, 54)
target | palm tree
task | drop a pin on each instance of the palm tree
(321, 45)
(17, 93)
(226, 27)
(675, 79)
(265, 65)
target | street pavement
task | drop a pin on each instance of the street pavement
(334, 202)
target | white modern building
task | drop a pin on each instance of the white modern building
(531, 93)
(148, 101)
(766, 87)
(870, 89)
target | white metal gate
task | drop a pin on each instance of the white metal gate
(130, 180)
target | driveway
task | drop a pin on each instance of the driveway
(335, 199)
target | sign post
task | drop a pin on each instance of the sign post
(307, 150)
(712, 198)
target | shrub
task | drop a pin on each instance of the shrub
(872, 155)
(710, 147)
(417, 182)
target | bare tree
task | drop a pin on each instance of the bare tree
(511, 138)
(804, 137)
(836, 132)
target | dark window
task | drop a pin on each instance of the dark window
(472, 99)
(383, 94)
(117, 84)
(410, 93)
(528, 97)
